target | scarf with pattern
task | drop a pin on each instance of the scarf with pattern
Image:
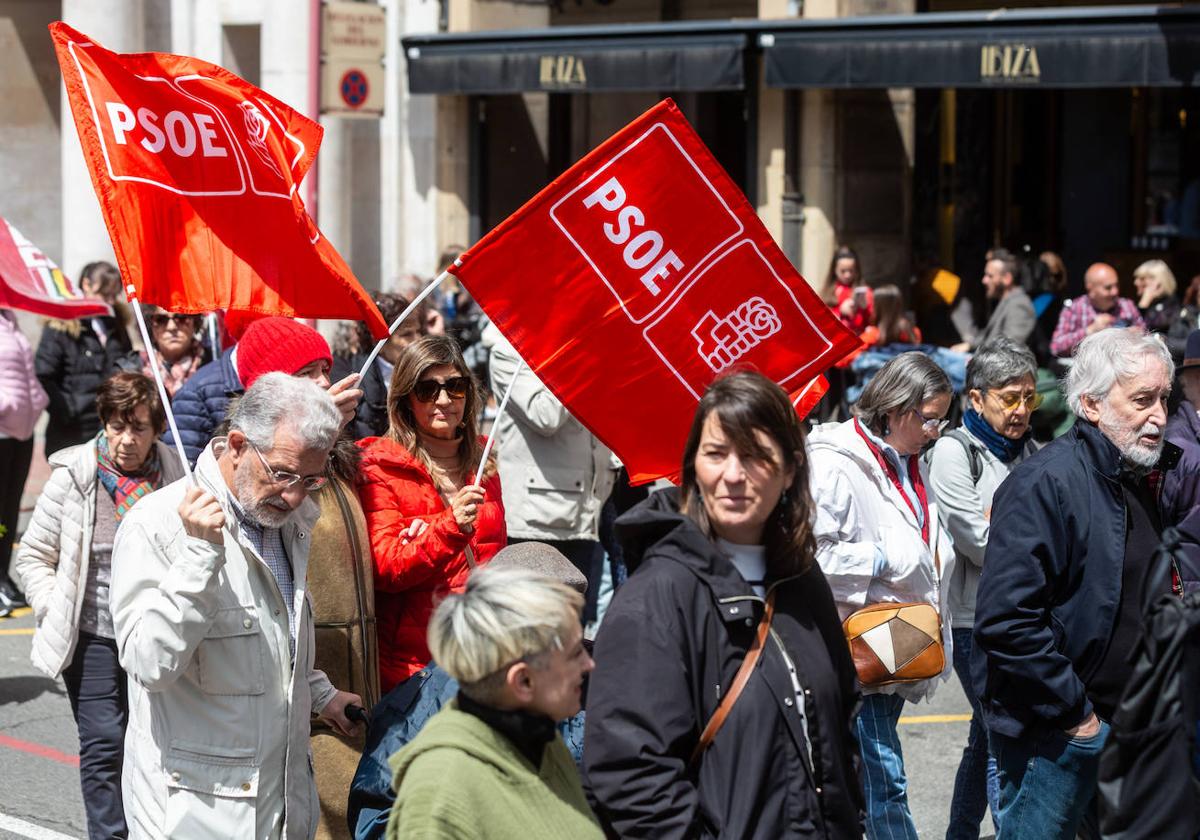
(126, 489)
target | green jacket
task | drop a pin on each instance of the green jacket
(460, 779)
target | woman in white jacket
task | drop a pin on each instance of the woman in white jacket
(64, 564)
(879, 539)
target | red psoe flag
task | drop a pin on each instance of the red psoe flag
(640, 275)
(197, 172)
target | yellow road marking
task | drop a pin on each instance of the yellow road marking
(935, 719)
(17, 631)
(20, 611)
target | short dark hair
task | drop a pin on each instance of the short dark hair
(1007, 259)
(390, 306)
(122, 393)
(745, 402)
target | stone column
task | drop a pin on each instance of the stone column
(119, 26)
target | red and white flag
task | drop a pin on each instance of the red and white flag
(197, 173)
(636, 278)
(30, 281)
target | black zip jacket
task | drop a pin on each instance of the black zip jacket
(1051, 584)
(71, 364)
(668, 648)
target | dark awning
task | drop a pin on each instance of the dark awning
(659, 57)
(1115, 46)
(1099, 46)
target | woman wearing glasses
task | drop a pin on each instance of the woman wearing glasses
(177, 350)
(966, 467)
(880, 540)
(431, 519)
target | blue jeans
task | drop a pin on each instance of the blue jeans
(884, 782)
(977, 783)
(1048, 785)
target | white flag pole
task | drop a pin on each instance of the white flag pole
(487, 449)
(152, 355)
(213, 336)
(408, 310)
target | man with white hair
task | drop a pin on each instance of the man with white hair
(214, 629)
(1058, 608)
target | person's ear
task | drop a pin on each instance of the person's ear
(976, 400)
(1091, 408)
(237, 445)
(519, 680)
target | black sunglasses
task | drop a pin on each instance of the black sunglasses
(427, 390)
(162, 319)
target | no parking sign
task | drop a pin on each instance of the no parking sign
(353, 43)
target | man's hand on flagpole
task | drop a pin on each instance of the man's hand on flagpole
(202, 515)
(346, 396)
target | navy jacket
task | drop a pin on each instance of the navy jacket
(1051, 583)
(395, 721)
(371, 416)
(1181, 491)
(200, 405)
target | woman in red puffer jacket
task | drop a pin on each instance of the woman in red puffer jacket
(430, 519)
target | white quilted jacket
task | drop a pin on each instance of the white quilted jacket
(53, 561)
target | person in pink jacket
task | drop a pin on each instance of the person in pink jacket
(22, 401)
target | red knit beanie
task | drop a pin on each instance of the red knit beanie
(278, 344)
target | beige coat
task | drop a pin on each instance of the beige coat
(52, 564)
(217, 743)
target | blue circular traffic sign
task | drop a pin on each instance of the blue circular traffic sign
(354, 88)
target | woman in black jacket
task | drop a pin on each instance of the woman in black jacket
(75, 357)
(704, 562)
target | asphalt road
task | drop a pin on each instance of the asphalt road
(39, 749)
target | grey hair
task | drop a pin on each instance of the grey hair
(902, 384)
(1108, 355)
(999, 362)
(280, 400)
(504, 616)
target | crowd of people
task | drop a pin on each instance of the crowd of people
(360, 619)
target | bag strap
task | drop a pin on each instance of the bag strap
(739, 682)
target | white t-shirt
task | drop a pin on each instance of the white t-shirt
(750, 561)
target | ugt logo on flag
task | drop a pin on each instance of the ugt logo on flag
(197, 174)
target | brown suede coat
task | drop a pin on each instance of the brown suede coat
(341, 585)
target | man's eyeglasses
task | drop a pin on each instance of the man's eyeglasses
(287, 479)
(930, 425)
(427, 390)
(1011, 400)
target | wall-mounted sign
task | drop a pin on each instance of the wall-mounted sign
(353, 43)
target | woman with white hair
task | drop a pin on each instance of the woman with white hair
(492, 764)
(880, 540)
(966, 466)
(1155, 284)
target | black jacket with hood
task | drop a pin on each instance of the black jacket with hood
(670, 644)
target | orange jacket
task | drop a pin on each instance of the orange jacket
(395, 488)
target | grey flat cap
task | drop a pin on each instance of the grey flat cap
(543, 559)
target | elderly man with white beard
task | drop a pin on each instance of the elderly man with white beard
(1058, 610)
(215, 630)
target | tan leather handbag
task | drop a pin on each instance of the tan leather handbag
(895, 643)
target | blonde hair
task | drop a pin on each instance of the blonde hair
(504, 616)
(1158, 270)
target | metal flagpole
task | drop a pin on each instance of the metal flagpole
(213, 335)
(152, 354)
(487, 449)
(408, 310)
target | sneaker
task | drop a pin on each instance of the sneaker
(11, 595)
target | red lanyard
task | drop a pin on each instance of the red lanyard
(914, 474)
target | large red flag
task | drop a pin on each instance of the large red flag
(197, 174)
(638, 276)
(30, 281)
